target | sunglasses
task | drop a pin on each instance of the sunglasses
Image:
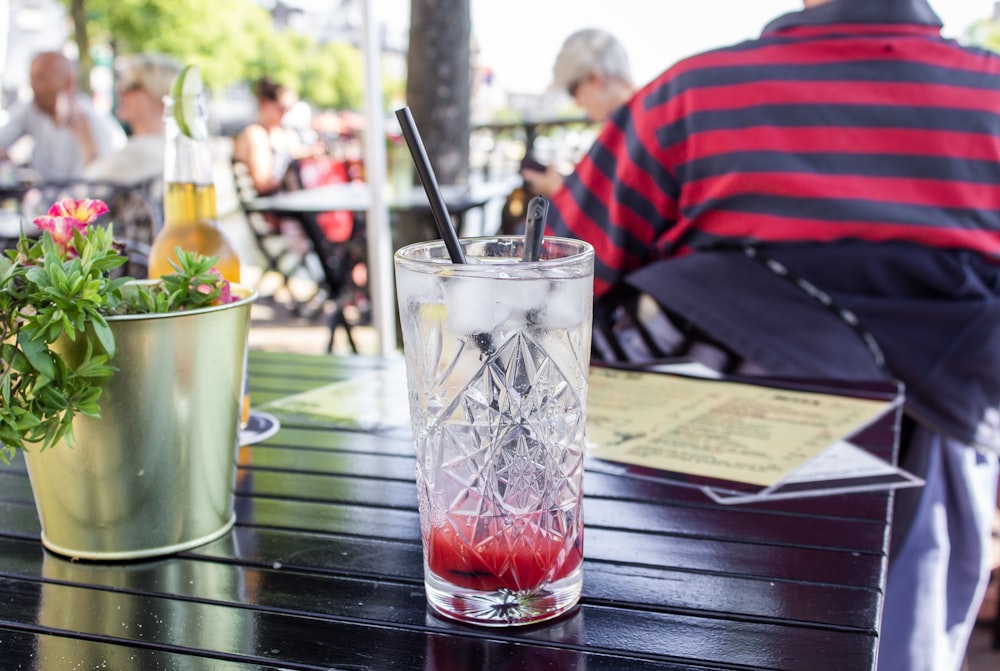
(127, 87)
(574, 86)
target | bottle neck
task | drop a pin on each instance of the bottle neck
(187, 158)
(189, 183)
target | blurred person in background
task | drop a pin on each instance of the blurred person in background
(66, 131)
(268, 147)
(593, 68)
(821, 202)
(142, 83)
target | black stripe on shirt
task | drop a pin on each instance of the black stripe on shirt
(834, 209)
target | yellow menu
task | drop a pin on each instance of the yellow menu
(714, 428)
(375, 401)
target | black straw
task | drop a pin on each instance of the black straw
(534, 228)
(484, 341)
(426, 173)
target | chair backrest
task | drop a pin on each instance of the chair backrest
(313, 171)
(245, 193)
(135, 210)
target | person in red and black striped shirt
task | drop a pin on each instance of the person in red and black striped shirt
(857, 152)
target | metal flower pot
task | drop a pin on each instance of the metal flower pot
(156, 473)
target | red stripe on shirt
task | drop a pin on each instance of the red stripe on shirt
(631, 176)
(899, 141)
(774, 228)
(847, 92)
(903, 190)
(606, 245)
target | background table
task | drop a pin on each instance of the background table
(324, 570)
(355, 197)
(410, 221)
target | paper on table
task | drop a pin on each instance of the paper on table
(841, 468)
(717, 429)
(841, 461)
(375, 401)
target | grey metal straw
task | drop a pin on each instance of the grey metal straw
(426, 173)
(534, 228)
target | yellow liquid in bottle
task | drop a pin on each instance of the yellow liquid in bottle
(189, 223)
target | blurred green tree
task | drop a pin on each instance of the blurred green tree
(333, 76)
(327, 75)
(986, 33)
(230, 40)
(222, 36)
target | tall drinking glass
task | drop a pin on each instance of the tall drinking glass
(497, 355)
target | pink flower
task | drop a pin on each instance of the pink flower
(70, 215)
(225, 293)
(86, 211)
(61, 229)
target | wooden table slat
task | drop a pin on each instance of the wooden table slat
(384, 622)
(324, 570)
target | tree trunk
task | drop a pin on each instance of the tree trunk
(438, 86)
(439, 83)
(78, 11)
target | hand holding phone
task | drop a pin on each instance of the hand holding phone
(531, 163)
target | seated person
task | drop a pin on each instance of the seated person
(593, 67)
(267, 147)
(66, 131)
(803, 203)
(142, 83)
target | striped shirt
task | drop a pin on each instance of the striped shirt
(851, 120)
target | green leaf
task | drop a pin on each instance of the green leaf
(104, 335)
(45, 297)
(38, 354)
(95, 367)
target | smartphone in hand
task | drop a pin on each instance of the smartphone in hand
(531, 163)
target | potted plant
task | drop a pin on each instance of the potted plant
(124, 395)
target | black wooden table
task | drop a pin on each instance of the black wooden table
(324, 571)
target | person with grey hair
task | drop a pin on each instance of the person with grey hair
(810, 203)
(143, 81)
(67, 132)
(593, 68)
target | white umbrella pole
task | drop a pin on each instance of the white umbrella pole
(380, 274)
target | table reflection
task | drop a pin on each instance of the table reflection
(137, 602)
(476, 653)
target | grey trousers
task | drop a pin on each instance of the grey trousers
(940, 562)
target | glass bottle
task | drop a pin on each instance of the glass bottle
(190, 217)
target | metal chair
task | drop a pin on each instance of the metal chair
(274, 250)
(337, 242)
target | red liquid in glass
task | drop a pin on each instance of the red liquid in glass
(533, 559)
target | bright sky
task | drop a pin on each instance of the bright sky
(519, 39)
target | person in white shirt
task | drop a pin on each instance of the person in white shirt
(66, 130)
(142, 83)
